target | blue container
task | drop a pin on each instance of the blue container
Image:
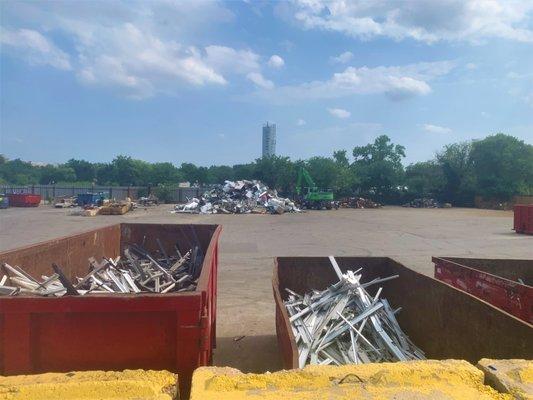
(87, 199)
(4, 202)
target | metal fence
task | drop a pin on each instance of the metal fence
(50, 192)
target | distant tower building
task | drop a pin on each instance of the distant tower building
(269, 140)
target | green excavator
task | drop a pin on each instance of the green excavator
(309, 195)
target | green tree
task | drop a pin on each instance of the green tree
(456, 164)
(277, 172)
(164, 173)
(425, 179)
(106, 174)
(218, 174)
(127, 170)
(503, 166)
(341, 158)
(19, 172)
(379, 166)
(244, 171)
(324, 171)
(84, 170)
(53, 174)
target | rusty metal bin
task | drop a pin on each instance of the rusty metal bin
(497, 281)
(174, 331)
(443, 321)
(24, 199)
(523, 218)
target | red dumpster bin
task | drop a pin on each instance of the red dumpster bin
(173, 331)
(24, 200)
(523, 218)
(443, 321)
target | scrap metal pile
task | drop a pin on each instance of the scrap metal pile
(358, 202)
(344, 324)
(239, 197)
(137, 272)
(424, 202)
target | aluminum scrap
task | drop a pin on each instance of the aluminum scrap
(138, 271)
(344, 324)
(239, 197)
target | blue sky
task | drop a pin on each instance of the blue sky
(191, 81)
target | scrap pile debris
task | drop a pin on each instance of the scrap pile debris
(344, 324)
(239, 197)
(358, 202)
(137, 272)
(426, 202)
(65, 202)
(150, 200)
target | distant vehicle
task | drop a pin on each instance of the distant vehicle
(310, 196)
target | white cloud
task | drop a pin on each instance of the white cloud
(140, 50)
(339, 112)
(276, 61)
(300, 122)
(471, 66)
(260, 80)
(35, 48)
(436, 129)
(423, 20)
(227, 59)
(397, 82)
(343, 58)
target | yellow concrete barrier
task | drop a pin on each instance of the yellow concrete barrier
(509, 376)
(450, 379)
(91, 385)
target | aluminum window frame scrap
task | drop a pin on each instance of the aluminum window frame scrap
(344, 324)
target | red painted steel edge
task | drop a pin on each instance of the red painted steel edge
(175, 332)
(24, 200)
(512, 297)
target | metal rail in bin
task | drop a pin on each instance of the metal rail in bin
(173, 331)
(443, 321)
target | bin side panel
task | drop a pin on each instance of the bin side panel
(511, 296)
(102, 333)
(511, 269)
(95, 341)
(529, 219)
(284, 333)
(518, 219)
(71, 253)
(443, 321)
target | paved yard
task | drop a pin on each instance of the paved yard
(249, 243)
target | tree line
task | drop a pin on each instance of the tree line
(498, 166)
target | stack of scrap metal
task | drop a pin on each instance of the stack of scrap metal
(65, 202)
(151, 200)
(137, 272)
(424, 202)
(239, 197)
(344, 324)
(358, 202)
